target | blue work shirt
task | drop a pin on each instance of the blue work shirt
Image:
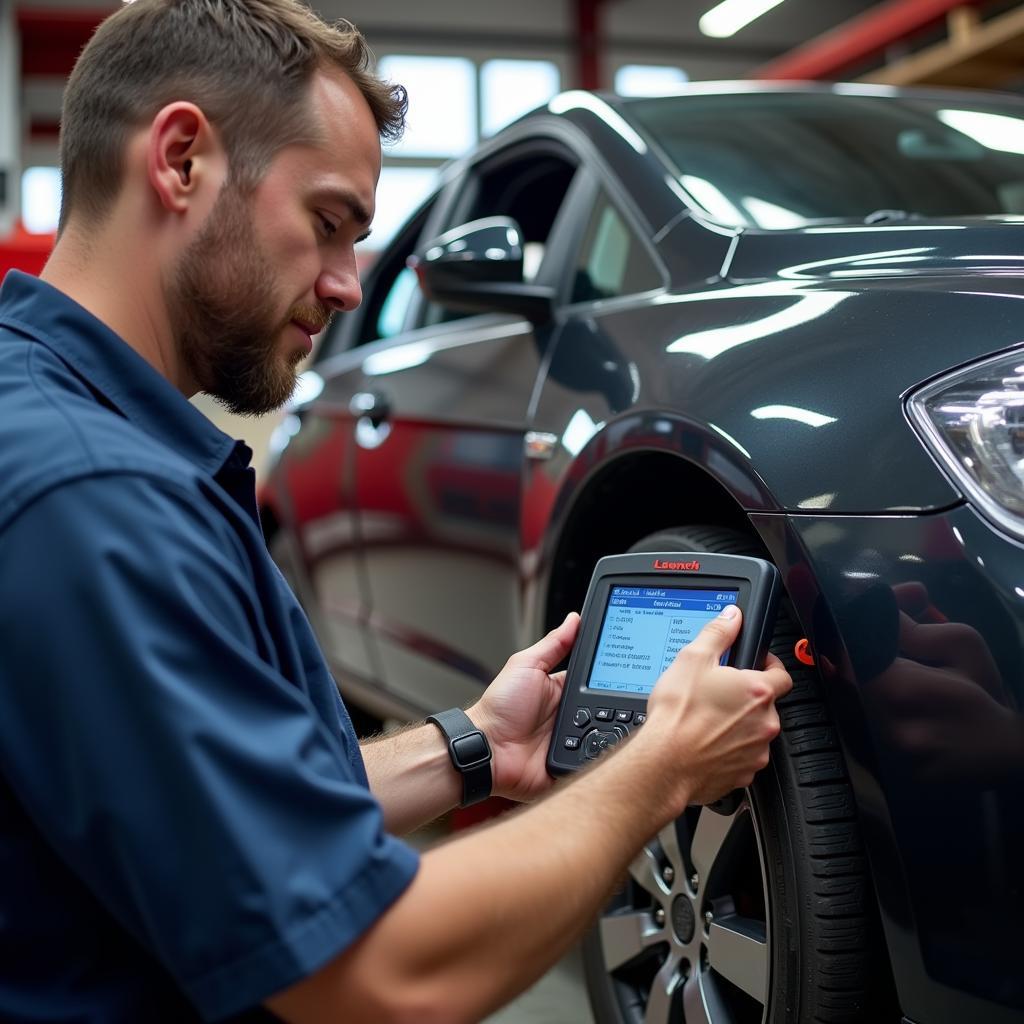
(185, 822)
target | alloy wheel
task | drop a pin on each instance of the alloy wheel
(688, 937)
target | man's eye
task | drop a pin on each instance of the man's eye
(329, 228)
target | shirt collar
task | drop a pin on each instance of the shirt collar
(114, 369)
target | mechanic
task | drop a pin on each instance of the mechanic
(188, 828)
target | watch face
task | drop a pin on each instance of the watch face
(471, 749)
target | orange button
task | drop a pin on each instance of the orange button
(802, 652)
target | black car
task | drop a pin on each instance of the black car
(785, 321)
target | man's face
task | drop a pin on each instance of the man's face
(268, 268)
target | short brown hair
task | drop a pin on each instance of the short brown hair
(245, 63)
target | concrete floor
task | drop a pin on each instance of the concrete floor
(558, 998)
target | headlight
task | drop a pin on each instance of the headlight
(973, 422)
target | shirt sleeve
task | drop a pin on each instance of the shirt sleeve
(191, 786)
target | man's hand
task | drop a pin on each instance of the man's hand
(715, 723)
(517, 713)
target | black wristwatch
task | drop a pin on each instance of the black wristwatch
(470, 753)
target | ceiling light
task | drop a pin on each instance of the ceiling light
(731, 15)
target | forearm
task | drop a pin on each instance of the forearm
(412, 776)
(531, 883)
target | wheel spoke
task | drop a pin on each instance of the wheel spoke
(645, 870)
(709, 837)
(701, 1003)
(625, 936)
(669, 839)
(662, 995)
(738, 950)
(694, 1010)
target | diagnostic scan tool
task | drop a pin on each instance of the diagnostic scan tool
(640, 610)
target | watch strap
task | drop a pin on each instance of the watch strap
(470, 753)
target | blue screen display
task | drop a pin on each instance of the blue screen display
(644, 628)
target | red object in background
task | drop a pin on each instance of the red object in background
(859, 39)
(466, 817)
(52, 39)
(25, 251)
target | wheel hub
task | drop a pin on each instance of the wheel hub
(683, 919)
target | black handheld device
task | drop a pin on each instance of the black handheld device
(639, 611)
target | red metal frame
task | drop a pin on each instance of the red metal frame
(51, 40)
(588, 48)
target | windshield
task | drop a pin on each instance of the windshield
(782, 160)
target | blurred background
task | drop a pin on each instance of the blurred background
(473, 67)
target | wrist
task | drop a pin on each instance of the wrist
(477, 714)
(469, 753)
(658, 769)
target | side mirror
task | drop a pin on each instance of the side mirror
(479, 267)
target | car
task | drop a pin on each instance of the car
(774, 319)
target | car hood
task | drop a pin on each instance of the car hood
(988, 245)
(805, 371)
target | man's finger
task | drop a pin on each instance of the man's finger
(777, 677)
(718, 635)
(549, 650)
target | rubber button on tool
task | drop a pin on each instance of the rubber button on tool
(581, 718)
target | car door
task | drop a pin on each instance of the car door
(439, 455)
(318, 469)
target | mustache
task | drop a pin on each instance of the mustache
(315, 316)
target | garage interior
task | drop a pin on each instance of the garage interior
(471, 68)
(501, 60)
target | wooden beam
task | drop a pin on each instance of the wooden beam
(979, 55)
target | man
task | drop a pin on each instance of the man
(188, 829)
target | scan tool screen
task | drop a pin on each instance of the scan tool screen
(644, 629)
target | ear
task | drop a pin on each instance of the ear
(181, 155)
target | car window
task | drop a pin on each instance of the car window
(787, 159)
(389, 289)
(612, 261)
(531, 191)
(391, 317)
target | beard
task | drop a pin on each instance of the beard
(225, 314)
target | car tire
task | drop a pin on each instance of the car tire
(780, 928)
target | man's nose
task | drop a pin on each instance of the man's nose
(338, 286)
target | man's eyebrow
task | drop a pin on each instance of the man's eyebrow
(347, 198)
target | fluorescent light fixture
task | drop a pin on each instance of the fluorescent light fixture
(731, 15)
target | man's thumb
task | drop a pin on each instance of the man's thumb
(719, 634)
(549, 650)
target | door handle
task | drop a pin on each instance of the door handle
(371, 405)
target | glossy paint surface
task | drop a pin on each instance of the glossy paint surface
(917, 623)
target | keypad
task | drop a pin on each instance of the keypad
(581, 718)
